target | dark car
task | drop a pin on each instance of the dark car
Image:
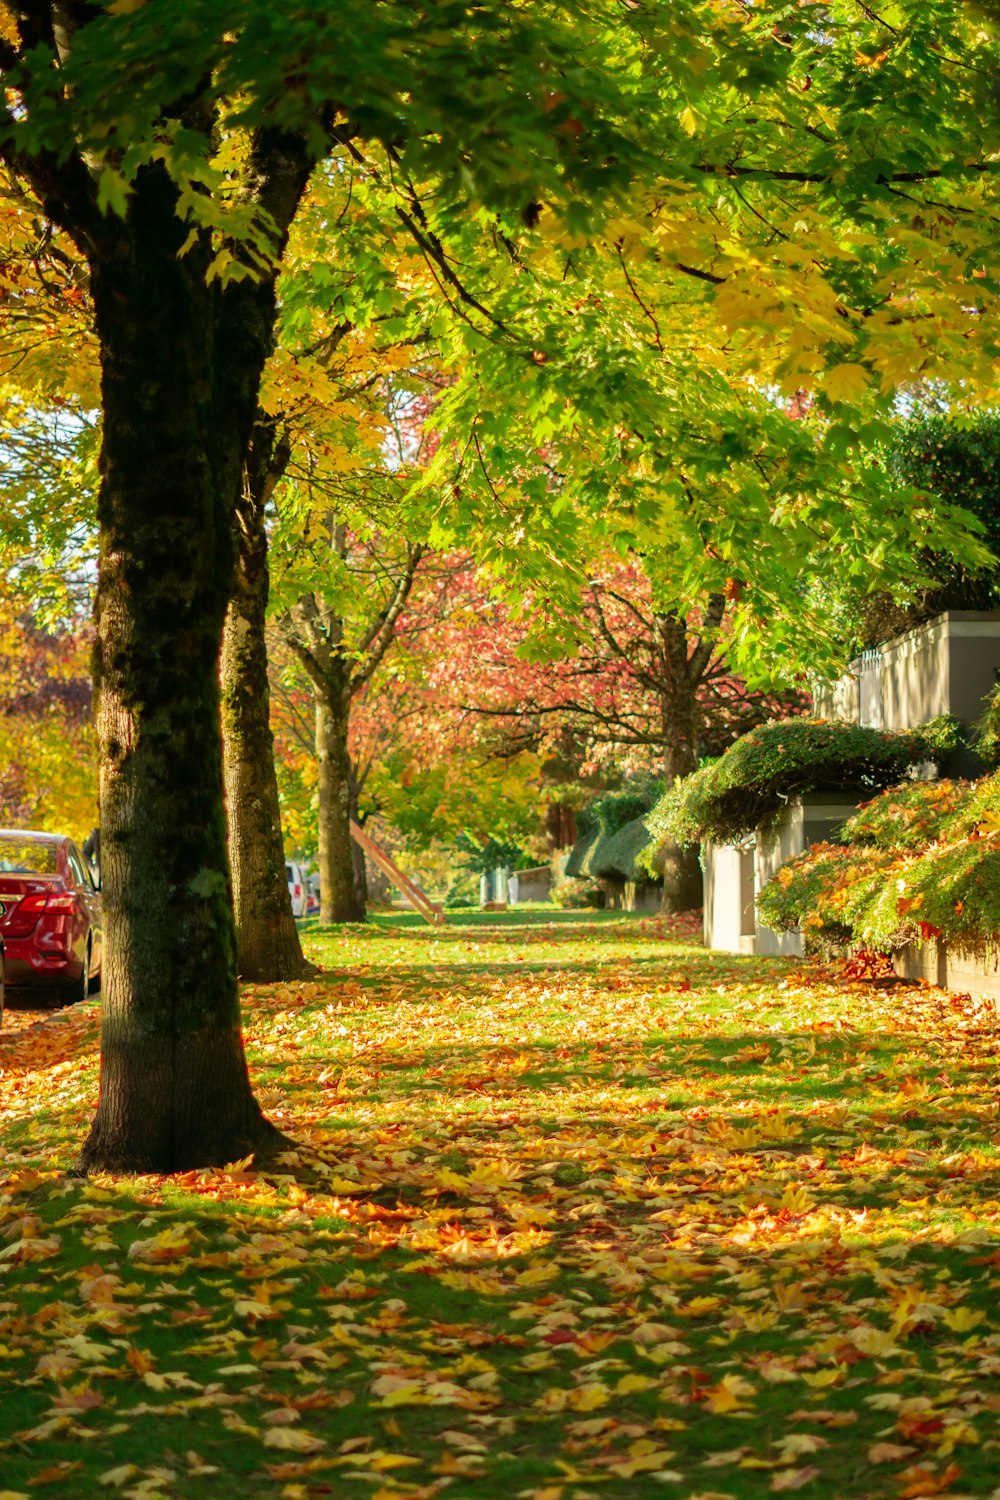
(50, 923)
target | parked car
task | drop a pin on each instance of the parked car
(312, 893)
(296, 889)
(51, 921)
(2, 910)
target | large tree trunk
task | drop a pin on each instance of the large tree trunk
(680, 719)
(340, 898)
(179, 380)
(267, 939)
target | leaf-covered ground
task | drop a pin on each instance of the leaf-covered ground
(579, 1211)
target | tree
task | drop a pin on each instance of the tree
(638, 686)
(181, 358)
(173, 150)
(267, 939)
(431, 774)
(952, 457)
(340, 649)
(173, 146)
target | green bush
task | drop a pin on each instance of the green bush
(988, 731)
(615, 810)
(617, 857)
(910, 816)
(749, 785)
(612, 833)
(577, 894)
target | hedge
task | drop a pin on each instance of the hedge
(749, 785)
(613, 832)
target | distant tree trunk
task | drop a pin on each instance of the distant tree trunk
(267, 939)
(181, 364)
(680, 718)
(340, 898)
(357, 853)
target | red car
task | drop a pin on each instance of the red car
(50, 915)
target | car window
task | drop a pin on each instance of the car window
(288, 873)
(76, 865)
(20, 856)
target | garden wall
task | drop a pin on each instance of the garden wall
(947, 666)
(735, 875)
(728, 917)
(952, 971)
(532, 885)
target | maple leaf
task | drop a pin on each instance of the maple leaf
(293, 1440)
(118, 1476)
(888, 1453)
(728, 1395)
(794, 1479)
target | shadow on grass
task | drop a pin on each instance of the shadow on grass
(687, 970)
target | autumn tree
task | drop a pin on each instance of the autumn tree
(172, 150)
(805, 183)
(632, 685)
(47, 750)
(340, 638)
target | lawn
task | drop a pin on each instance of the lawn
(577, 1210)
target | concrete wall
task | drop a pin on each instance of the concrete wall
(812, 819)
(728, 917)
(950, 665)
(734, 876)
(534, 884)
(952, 971)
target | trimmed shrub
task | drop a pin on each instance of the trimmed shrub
(749, 785)
(910, 816)
(617, 857)
(613, 833)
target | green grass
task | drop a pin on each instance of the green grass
(577, 1210)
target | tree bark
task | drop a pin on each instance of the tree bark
(267, 939)
(357, 853)
(681, 718)
(340, 898)
(181, 363)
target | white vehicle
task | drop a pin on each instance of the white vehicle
(296, 889)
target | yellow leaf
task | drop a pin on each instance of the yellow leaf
(630, 1383)
(794, 1479)
(962, 1319)
(820, 1378)
(872, 1341)
(846, 382)
(119, 1476)
(726, 1396)
(292, 1439)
